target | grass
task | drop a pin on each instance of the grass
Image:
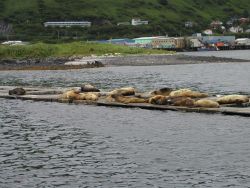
(42, 50)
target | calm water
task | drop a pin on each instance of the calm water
(61, 145)
(238, 54)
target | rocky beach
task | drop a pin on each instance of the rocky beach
(78, 62)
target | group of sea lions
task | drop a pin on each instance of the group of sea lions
(164, 96)
(86, 92)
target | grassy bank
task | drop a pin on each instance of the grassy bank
(42, 50)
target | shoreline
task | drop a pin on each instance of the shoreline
(107, 61)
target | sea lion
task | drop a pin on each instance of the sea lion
(89, 88)
(126, 99)
(187, 93)
(88, 96)
(158, 99)
(71, 94)
(206, 103)
(163, 91)
(17, 91)
(231, 99)
(123, 91)
(181, 101)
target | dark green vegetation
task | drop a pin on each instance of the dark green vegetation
(164, 16)
(41, 50)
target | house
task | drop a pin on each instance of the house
(247, 31)
(208, 32)
(216, 24)
(193, 42)
(230, 23)
(236, 29)
(14, 43)
(68, 24)
(198, 35)
(243, 41)
(138, 21)
(244, 20)
(189, 24)
(123, 23)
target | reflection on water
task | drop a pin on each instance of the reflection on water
(61, 145)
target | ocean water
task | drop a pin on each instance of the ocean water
(64, 145)
(237, 54)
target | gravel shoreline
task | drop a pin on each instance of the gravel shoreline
(100, 61)
(147, 60)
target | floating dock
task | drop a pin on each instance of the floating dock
(53, 95)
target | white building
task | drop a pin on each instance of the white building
(137, 21)
(189, 24)
(14, 43)
(123, 23)
(208, 32)
(68, 24)
(237, 29)
(243, 41)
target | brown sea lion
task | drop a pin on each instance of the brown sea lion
(162, 91)
(71, 95)
(88, 96)
(181, 101)
(158, 99)
(17, 91)
(127, 99)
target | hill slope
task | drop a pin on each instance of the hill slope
(165, 16)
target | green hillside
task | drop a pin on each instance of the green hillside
(164, 16)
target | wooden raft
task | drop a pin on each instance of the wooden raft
(53, 95)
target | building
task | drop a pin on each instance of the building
(243, 41)
(244, 20)
(123, 23)
(168, 42)
(68, 24)
(198, 35)
(189, 24)
(236, 29)
(216, 24)
(144, 40)
(14, 43)
(208, 32)
(124, 41)
(193, 42)
(230, 23)
(218, 39)
(137, 21)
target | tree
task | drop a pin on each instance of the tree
(245, 13)
(163, 2)
(5, 29)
